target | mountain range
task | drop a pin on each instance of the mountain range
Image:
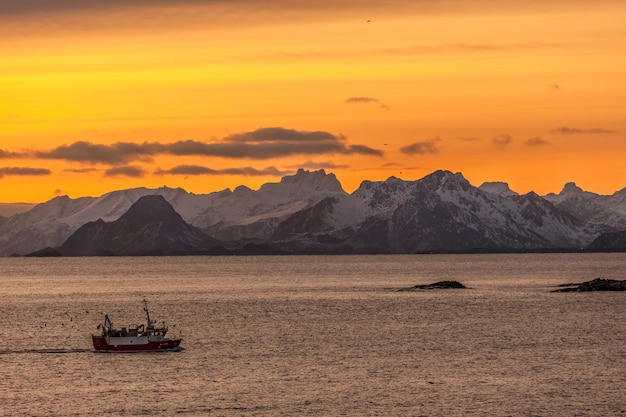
(309, 212)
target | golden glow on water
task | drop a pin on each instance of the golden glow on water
(316, 335)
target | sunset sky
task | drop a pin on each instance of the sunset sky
(207, 95)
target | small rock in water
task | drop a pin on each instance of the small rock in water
(435, 285)
(598, 284)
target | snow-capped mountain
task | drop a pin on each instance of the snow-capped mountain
(247, 215)
(440, 212)
(151, 226)
(50, 224)
(496, 187)
(9, 209)
(310, 212)
(242, 214)
(600, 210)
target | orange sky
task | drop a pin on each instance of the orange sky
(207, 95)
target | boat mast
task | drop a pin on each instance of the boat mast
(107, 323)
(145, 308)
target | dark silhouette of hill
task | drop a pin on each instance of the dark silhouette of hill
(150, 227)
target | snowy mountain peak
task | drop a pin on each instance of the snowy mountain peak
(390, 184)
(570, 191)
(63, 197)
(499, 188)
(443, 176)
(314, 180)
(241, 190)
(571, 188)
(149, 207)
(445, 181)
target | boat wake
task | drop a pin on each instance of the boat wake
(43, 351)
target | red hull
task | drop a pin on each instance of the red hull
(101, 345)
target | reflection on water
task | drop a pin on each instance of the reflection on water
(316, 335)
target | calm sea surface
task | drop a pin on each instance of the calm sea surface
(316, 336)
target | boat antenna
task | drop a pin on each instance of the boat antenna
(107, 323)
(145, 308)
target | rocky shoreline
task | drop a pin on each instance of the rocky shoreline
(436, 286)
(598, 284)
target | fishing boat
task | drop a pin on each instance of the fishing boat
(141, 338)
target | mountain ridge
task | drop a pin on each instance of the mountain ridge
(310, 211)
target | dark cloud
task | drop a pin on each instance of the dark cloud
(313, 165)
(7, 154)
(201, 170)
(392, 165)
(363, 150)
(125, 171)
(81, 170)
(12, 7)
(272, 142)
(280, 134)
(578, 131)
(255, 150)
(537, 141)
(26, 7)
(263, 143)
(361, 100)
(21, 7)
(52, 17)
(469, 138)
(356, 100)
(29, 7)
(555, 87)
(502, 140)
(186, 170)
(23, 171)
(116, 154)
(421, 148)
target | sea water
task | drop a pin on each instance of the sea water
(316, 336)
